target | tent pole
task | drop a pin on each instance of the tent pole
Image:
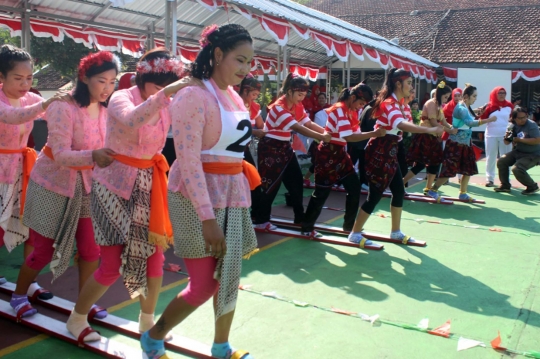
(349, 72)
(26, 32)
(174, 31)
(285, 62)
(328, 80)
(278, 72)
(151, 30)
(168, 21)
(343, 74)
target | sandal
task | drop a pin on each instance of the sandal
(40, 293)
(23, 309)
(84, 333)
(241, 354)
(93, 314)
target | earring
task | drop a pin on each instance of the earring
(217, 63)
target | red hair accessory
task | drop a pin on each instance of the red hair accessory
(300, 88)
(161, 65)
(97, 59)
(209, 30)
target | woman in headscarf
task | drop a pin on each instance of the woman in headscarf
(500, 107)
(448, 109)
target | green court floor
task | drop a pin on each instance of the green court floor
(480, 270)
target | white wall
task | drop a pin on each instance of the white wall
(485, 80)
(47, 94)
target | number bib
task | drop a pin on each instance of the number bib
(235, 131)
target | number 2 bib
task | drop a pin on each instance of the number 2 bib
(235, 131)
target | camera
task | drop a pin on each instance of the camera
(509, 135)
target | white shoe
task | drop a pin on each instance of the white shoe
(266, 226)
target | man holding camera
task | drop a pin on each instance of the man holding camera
(525, 135)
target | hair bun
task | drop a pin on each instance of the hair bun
(7, 48)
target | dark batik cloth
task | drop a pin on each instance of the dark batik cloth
(381, 161)
(332, 164)
(426, 149)
(458, 158)
(273, 157)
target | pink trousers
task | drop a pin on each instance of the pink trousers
(109, 267)
(42, 255)
(202, 285)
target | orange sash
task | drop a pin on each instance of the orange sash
(160, 228)
(48, 152)
(29, 159)
(223, 168)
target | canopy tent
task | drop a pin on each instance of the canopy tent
(316, 39)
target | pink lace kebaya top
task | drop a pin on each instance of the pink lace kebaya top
(196, 123)
(135, 128)
(13, 136)
(73, 135)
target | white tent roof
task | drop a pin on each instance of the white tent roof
(313, 38)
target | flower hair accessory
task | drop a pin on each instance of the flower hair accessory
(161, 65)
(209, 30)
(467, 84)
(441, 84)
(97, 59)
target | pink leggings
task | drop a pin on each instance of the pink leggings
(109, 267)
(29, 241)
(42, 255)
(202, 285)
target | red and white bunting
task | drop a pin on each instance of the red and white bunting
(341, 50)
(14, 26)
(325, 41)
(422, 72)
(89, 37)
(527, 75)
(450, 74)
(309, 73)
(302, 32)
(384, 60)
(242, 11)
(266, 63)
(210, 4)
(372, 54)
(277, 28)
(357, 50)
(46, 29)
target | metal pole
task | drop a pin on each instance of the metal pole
(278, 70)
(168, 15)
(349, 72)
(328, 80)
(343, 75)
(151, 30)
(26, 31)
(285, 63)
(174, 31)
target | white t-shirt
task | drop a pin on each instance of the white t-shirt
(320, 118)
(498, 128)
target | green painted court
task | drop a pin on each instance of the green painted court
(480, 270)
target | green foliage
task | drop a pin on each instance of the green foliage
(5, 38)
(303, 2)
(265, 97)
